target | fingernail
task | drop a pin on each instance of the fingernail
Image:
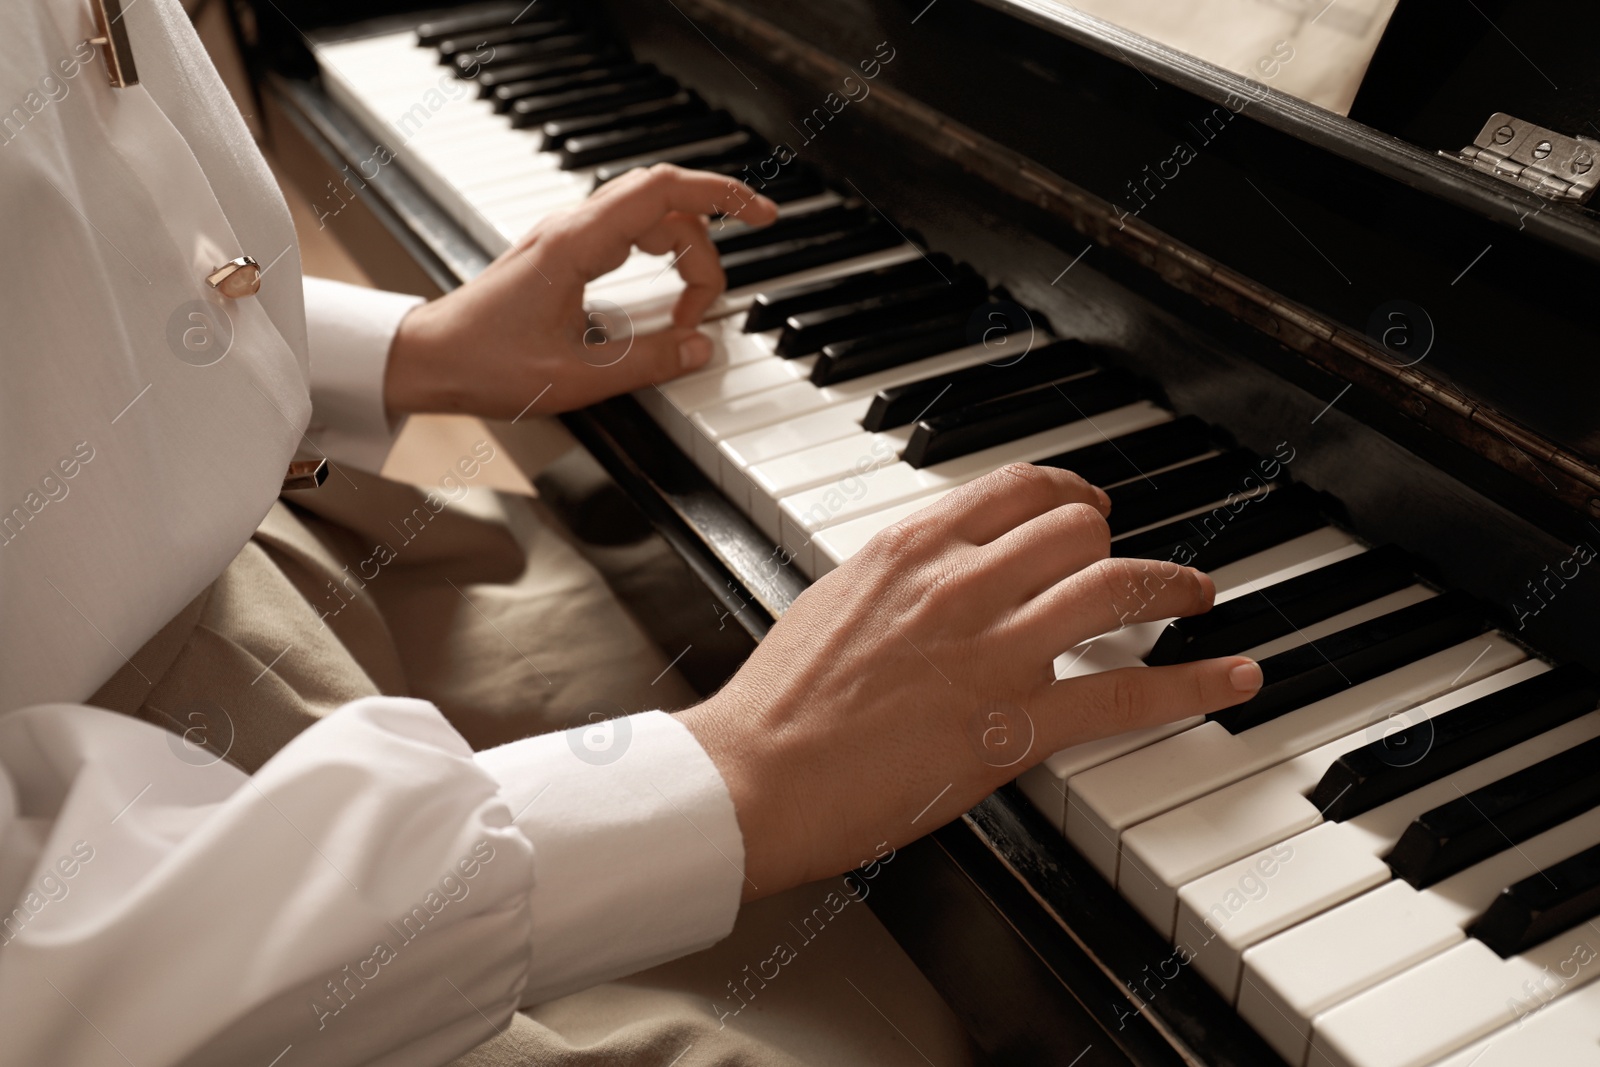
(694, 350)
(1104, 498)
(768, 201)
(1246, 677)
(1206, 584)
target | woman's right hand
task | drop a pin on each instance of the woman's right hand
(872, 696)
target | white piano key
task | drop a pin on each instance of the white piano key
(1344, 862)
(1283, 561)
(1110, 798)
(839, 543)
(1565, 1032)
(786, 436)
(729, 347)
(1223, 913)
(807, 512)
(848, 462)
(1293, 978)
(1385, 932)
(698, 391)
(1454, 998)
(757, 411)
(1194, 839)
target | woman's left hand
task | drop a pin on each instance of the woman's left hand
(519, 330)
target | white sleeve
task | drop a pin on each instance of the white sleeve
(638, 857)
(365, 898)
(348, 332)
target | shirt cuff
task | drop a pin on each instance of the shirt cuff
(348, 331)
(638, 856)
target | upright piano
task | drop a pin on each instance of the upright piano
(1345, 363)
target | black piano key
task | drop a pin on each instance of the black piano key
(1356, 654)
(433, 31)
(770, 309)
(723, 161)
(1226, 535)
(958, 389)
(1542, 905)
(570, 81)
(607, 96)
(593, 149)
(692, 156)
(729, 161)
(487, 41)
(994, 422)
(1471, 828)
(1378, 772)
(796, 182)
(1168, 494)
(469, 64)
(680, 104)
(490, 80)
(756, 265)
(810, 331)
(1131, 454)
(835, 219)
(894, 347)
(1267, 614)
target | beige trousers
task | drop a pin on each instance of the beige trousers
(365, 587)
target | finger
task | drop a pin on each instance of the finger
(1112, 702)
(1107, 596)
(646, 359)
(990, 507)
(697, 192)
(1036, 555)
(693, 257)
(601, 230)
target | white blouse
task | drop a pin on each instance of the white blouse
(376, 893)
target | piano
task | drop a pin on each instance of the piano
(1346, 364)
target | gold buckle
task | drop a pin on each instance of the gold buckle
(236, 278)
(114, 39)
(305, 474)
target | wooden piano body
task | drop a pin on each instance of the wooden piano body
(1253, 291)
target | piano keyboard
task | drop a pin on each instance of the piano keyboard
(1389, 858)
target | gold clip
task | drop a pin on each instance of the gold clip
(236, 278)
(305, 474)
(114, 39)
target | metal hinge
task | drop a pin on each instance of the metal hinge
(1549, 163)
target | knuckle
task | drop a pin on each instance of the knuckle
(1036, 484)
(939, 588)
(1124, 698)
(1117, 575)
(898, 542)
(1122, 583)
(1085, 523)
(630, 181)
(1026, 473)
(662, 173)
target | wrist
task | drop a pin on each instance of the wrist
(410, 384)
(762, 802)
